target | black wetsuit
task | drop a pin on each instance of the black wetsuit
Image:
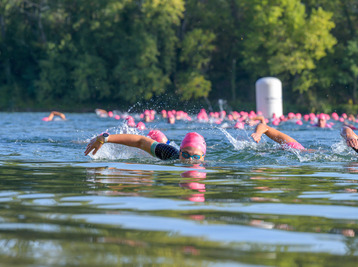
(164, 151)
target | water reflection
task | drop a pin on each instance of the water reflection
(120, 181)
(133, 182)
(195, 183)
(352, 167)
(120, 211)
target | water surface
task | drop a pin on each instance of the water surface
(249, 205)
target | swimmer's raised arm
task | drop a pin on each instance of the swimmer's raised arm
(56, 113)
(350, 137)
(259, 118)
(255, 120)
(272, 133)
(132, 140)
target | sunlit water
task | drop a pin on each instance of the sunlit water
(249, 205)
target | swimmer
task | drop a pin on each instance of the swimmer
(322, 122)
(350, 137)
(350, 126)
(53, 114)
(192, 148)
(101, 113)
(277, 136)
(171, 119)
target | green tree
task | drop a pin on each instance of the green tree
(195, 53)
(350, 65)
(146, 54)
(21, 36)
(284, 42)
(335, 80)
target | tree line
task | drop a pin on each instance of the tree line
(75, 53)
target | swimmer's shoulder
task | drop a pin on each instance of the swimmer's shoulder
(164, 151)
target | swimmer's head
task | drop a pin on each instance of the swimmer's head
(171, 119)
(321, 121)
(140, 126)
(158, 136)
(193, 146)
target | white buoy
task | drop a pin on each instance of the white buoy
(269, 96)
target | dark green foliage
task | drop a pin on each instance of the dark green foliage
(88, 52)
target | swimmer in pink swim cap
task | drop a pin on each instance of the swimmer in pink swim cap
(277, 136)
(192, 148)
(140, 126)
(158, 136)
(53, 114)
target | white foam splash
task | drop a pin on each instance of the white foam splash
(238, 144)
(117, 151)
(339, 147)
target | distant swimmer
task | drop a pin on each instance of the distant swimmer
(101, 113)
(192, 148)
(171, 119)
(53, 114)
(322, 122)
(285, 140)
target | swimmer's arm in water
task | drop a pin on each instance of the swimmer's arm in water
(350, 137)
(272, 133)
(132, 140)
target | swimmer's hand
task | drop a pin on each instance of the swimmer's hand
(256, 137)
(352, 142)
(250, 122)
(350, 137)
(95, 144)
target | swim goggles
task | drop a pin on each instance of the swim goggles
(188, 156)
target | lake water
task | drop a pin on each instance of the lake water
(250, 205)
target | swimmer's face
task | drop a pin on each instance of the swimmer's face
(191, 151)
(321, 123)
(171, 120)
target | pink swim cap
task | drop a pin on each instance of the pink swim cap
(130, 122)
(239, 125)
(321, 116)
(140, 125)
(194, 140)
(158, 136)
(276, 122)
(45, 118)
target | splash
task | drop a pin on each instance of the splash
(116, 151)
(238, 144)
(132, 107)
(221, 103)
